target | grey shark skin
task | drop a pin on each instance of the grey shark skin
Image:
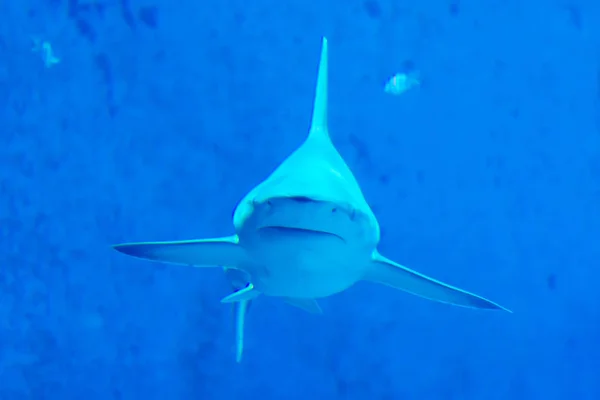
(305, 233)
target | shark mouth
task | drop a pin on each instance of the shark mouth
(287, 230)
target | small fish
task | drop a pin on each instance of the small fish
(400, 83)
(45, 49)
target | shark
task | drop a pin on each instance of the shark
(304, 233)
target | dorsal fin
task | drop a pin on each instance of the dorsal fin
(318, 126)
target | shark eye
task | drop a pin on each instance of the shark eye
(334, 210)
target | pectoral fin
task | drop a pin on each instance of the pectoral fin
(203, 252)
(389, 273)
(309, 305)
(245, 294)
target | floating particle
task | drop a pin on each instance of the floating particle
(45, 49)
(400, 83)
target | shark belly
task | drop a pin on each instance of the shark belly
(301, 263)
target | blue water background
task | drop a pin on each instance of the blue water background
(161, 115)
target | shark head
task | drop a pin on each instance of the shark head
(310, 194)
(315, 180)
(314, 173)
(303, 233)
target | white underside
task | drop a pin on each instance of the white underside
(302, 264)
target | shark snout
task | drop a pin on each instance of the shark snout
(304, 215)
